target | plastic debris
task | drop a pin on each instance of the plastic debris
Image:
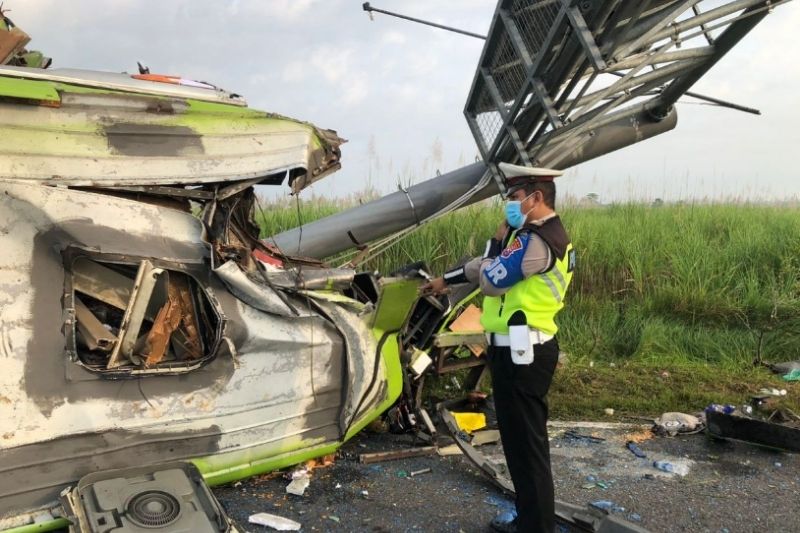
(772, 392)
(447, 451)
(489, 436)
(634, 448)
(275, 522)
(365, 494)
(785, 368)
(418, 472)
(794, 375)
(634, 517)
(608, 411)
(334, 518)
(470, 422)
(300, 482)
(717, 408)
(673, 468)
(673, 423)
(608, 506)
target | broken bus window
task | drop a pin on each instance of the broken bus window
(136, 318)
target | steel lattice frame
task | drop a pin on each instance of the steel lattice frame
(552, 71)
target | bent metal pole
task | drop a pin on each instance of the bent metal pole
(384, 216)
(403, 209)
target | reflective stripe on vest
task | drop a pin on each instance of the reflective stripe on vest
(540, 297)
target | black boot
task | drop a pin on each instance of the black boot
(502, 523)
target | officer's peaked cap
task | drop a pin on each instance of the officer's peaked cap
(518, 176)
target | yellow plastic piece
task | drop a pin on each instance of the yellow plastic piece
(470, 422)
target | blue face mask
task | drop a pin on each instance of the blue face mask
(514, 215)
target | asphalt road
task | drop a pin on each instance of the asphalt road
(730, 487)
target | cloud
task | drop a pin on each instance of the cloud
(393, 37)
(294, 72)
(326, 62)
(337, 67)
(284, 10)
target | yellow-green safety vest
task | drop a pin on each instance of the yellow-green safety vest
(540, 297)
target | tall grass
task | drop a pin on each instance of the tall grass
(716, 283)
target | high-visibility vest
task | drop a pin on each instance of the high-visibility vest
(541, 296)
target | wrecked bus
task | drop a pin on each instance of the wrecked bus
(144, 322)
(141, 318)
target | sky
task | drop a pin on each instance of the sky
(396, 90)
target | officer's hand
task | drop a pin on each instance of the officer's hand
(434, 286)
(501, 232)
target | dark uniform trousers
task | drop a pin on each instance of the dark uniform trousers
(520, 401)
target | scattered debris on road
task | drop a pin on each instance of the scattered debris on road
(276, 522)
(378, 457)
(681, 469)
(420, 472)
(671, 424)
(634, 448)
(300, 480)
(784, 436)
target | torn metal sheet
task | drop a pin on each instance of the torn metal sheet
(143, 287)
(101, 283)
(121, 82)
(269, 386)
(312, 278)
(135, 140)
(94, 334)
(254, 294)
(762, 433)
(180, 292)
(167, 320)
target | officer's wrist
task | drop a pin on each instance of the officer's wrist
(455, 276)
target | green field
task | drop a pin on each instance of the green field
(669, 307)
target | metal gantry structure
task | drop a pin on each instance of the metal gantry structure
(559, 83)
(553, 71)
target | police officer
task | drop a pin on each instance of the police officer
(523, 274)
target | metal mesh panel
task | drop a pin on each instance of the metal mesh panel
(507, 69)
(534, 20)
(490, 122)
